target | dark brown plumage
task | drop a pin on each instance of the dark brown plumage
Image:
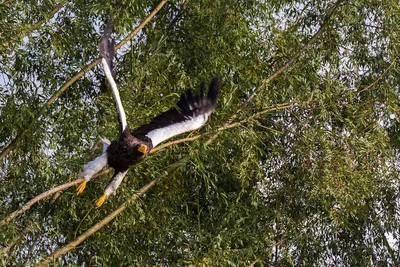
(124, 152)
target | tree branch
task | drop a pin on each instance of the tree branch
(27, 230)
(377, 223)
(48, 193)
(62, 251)
(14, 143)
(227, 126)
(254, 262)
(379, 78)
(37, 24)
(6, 3)
(283, 68)
(21, 235)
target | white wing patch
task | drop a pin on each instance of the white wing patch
(159, 135)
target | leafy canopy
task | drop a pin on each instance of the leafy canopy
(314, 182)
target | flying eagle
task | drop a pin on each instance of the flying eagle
(191, 113)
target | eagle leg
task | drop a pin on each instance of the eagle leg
(111, 187)
(100, 201)
(93, 167)
(81, 187)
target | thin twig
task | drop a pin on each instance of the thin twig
(40, 233)
(183, 140)
(47, 17)
(379, 78)
(229, 126)
(282, 69)
(268, 128)
(37, 24)
(19, 237)
(225, 127)
(135, 31)
(377, 223)
(26, 230)
(294, 57)
(32, 247)
(270, 247)
(14, 143)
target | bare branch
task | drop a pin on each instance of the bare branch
(188, 139)
(46, 194)
(62, 251)
(14, 143)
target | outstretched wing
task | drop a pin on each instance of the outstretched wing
(191, 113)
(107, 54)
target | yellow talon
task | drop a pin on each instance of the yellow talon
(143, 149)
(81, 187)
(100, 201)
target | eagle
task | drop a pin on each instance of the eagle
(190, 113)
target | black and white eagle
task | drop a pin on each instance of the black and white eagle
(191, 112)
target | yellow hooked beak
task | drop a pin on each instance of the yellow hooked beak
(143, 149)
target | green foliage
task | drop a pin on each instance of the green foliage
(316, 184)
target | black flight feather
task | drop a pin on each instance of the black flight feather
(107, 50)
(107, 46)
(188, 107)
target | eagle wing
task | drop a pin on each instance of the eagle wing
(107, 55)
(191, 112)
